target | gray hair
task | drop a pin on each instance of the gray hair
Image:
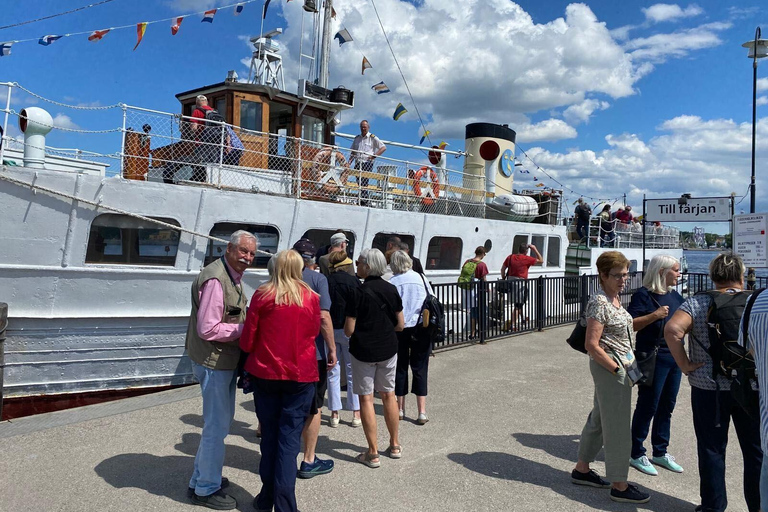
(655, 278)
(271, 265)
(400, 262)
(201, 99)
(375, 261)
(727, 268)
(235, 238)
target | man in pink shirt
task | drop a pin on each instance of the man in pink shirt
(213, 335)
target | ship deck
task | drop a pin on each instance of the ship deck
(503, 436)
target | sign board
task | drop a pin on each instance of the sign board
(711, 209)
(750, 240)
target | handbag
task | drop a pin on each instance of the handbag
(578, 338)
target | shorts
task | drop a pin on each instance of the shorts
(320, 387)
(370, 377)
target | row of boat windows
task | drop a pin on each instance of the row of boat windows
(118, 239)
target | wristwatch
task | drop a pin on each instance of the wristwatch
(616, 370)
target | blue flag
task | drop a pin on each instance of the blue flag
(399, 111)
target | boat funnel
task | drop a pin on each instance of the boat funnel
(35, 123)
(490, 158)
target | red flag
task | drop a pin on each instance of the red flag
(175, 27)
(140, 29)
(96, 35)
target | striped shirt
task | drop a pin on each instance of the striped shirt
(758, 342)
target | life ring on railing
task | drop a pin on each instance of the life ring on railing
(428, 194)
(329, 171)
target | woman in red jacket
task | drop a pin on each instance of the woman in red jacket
(279, 335)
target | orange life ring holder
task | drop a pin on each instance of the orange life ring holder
(325, 174)
(429, 194)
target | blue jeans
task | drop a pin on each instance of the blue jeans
(218, 390)
(334, 376)
(656, 402)
(711, 442)
(282, 408)
(581, 228)
(764, 485)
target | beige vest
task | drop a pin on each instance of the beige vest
(212, 354)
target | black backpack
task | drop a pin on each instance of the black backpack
(432, 326)
(723, 321)
(213, 127)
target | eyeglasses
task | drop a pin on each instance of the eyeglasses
(620, 277)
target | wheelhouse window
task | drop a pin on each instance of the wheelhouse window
(312, 129)
(250, 115)
(123, 240)
(322, 239)
(220, 104)
(268, 236)
(381, 240)
(444, 253)
(553, 251)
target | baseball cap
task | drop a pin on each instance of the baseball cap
(337, 238)
(305, 247)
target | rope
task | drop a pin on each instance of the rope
(77, 107)
(73, 130)
(95, 204)
(56, 15)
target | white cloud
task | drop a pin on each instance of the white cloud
(185, 6)
(547, 130)
(669, 12)
(762, 84)
(659, 47)
(581, 112)
(64, 121)
(762, 100)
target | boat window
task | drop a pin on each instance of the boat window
(250, 115)
(220, 104)
(280, 127)
(124, 240)
(381, 240)
(553, 251)
(322, 239)
(268, 239)
(632, 266)
(312, 129)
(444, 253)
(488, 245)
(519, 239)
(540, 242)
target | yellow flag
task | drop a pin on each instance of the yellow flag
(140, 29)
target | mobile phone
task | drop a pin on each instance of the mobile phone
(234, 311)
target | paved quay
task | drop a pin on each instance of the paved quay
(505, 421)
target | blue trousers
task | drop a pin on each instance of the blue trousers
(764, 485)
(581, 228)
(218, 390)
(711, 442)
(282, 408)
(656, 403)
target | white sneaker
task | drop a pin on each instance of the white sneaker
(643, 465)
(356, 422)
(423, 419)
(333, 422)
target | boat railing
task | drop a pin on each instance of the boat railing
(618, 235)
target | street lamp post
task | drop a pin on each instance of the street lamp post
(758, 48)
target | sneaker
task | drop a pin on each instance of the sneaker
(423, 419)
(216, 501)
(333, 422)
(256, 506)
(643, 465)
(668, 462)
(591, 479)
(224, 485)
(318, 467)
(356, 422)
(401, 414)
(630, 495)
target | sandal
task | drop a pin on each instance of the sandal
(368, 459)
(394, 452)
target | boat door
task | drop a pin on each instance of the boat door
(252, 113)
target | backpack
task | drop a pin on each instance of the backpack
(467, 274)
(723, 321)
(432, 325)
(212, 133)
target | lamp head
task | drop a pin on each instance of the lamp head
(758, 48)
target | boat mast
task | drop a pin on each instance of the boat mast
(325, 45)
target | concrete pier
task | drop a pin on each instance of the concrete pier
(505, 422)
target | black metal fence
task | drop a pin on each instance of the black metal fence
(487, 310)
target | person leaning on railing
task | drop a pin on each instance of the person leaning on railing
(609, 344)
(606, 226)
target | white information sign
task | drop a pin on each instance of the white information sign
(694, 210)
(750, 240)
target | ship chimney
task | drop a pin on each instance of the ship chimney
(35, 123)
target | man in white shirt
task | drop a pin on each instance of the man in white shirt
(365, 148)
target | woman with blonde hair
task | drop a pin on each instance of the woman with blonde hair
(279, 336)
(651, 306)
(609, 343)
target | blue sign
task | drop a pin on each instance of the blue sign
(507, 163)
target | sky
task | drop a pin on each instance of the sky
(608, 98)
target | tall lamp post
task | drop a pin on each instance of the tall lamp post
(758, 48)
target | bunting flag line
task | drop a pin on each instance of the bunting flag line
(399, 111)
(97, 35)
(239, 9)
(539, 184)
(442, 144)
(5, 48)
(175, 27)
(264, 13)
(46, 40)
(525, 171)
(140, 29)
(343, 36)
(366, 64)
(380, 88)
(208, 16)
(535, 178)
(426, 133)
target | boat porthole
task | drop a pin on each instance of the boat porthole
(477, 229)
(488, 245)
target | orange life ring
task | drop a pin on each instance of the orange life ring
(324, 175)
(429, 194)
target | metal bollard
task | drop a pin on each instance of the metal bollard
(3, 326)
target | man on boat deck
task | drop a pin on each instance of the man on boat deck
(365, 148)
(213, 335)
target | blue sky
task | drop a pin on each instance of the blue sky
(608, 97)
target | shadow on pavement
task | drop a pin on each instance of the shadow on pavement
(238, 428)
(564, 447)
(236, 456)
(331, 447)
(512, 467)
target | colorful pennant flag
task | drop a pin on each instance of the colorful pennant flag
(239, 9)
(175, 26)
(97, 35)
(539, 184)
(343, 36)
(535, 178)
(140, 29)
(46, 40)
(208, 16)
(399, 111)
(442, 144)
(525, 171)
(380, 88)
(366, 65)
(426, 133)
(5, 48)
(333, 12)
(264, 13)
